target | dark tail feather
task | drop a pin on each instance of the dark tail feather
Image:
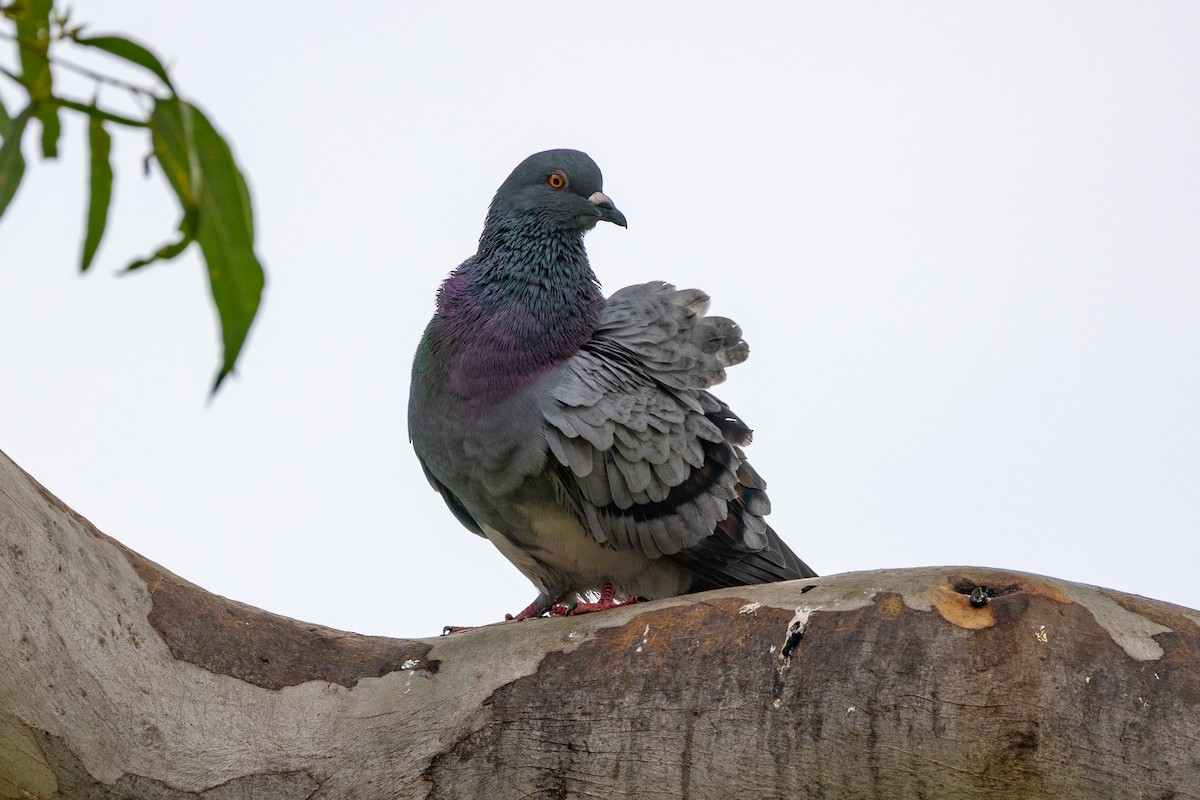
(723, 559)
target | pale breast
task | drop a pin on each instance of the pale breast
(559, 556)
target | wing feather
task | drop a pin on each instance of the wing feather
(647, 457)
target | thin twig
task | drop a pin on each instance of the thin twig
(96, 111)
(88, 73)
(96, 76)
(87, 109)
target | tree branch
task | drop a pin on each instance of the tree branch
(123, 680)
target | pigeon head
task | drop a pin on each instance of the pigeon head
(558, 190)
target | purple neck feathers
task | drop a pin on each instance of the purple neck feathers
(523, 304)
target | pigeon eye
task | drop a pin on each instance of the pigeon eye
(557, 180)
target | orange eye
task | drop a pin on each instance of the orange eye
(557, 180)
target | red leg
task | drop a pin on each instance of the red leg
(603, 604)
(530, 611)
(536, 609)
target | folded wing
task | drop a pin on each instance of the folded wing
(647, 458)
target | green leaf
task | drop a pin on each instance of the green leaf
(175, 148)
(201, 169)
(101, 182)
(129, 50)
(187, 230)
(33, 35)
(164, 253)
(225, 231)
(12, 162)
(175, 151)
(6, 122)
(47, 114)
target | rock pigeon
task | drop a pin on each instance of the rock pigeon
(576, 432)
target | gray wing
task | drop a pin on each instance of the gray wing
(651, 461)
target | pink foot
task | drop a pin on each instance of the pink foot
(603, 604)
(529, 612)
(607, 593)
(534, 609)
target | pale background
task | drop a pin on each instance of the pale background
(963, 241)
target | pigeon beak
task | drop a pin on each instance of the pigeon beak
(606, 210)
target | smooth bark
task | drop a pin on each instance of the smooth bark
(121, 680)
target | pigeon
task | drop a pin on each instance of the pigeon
(577, 433)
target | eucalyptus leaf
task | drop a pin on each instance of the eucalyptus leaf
(129, 50)
(12, 161)
(226, 236)
(164, 253)
(47, 114)
(201, 169)
(33, 33)
(6, 122)
(175, 148)
(100, 184)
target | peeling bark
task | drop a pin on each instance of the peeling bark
(121, 680)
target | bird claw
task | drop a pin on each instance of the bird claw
(603, 605)
(571, 609)
(529, 612)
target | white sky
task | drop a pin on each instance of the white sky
(963, 241)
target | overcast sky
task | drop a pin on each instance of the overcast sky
(963, 241)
